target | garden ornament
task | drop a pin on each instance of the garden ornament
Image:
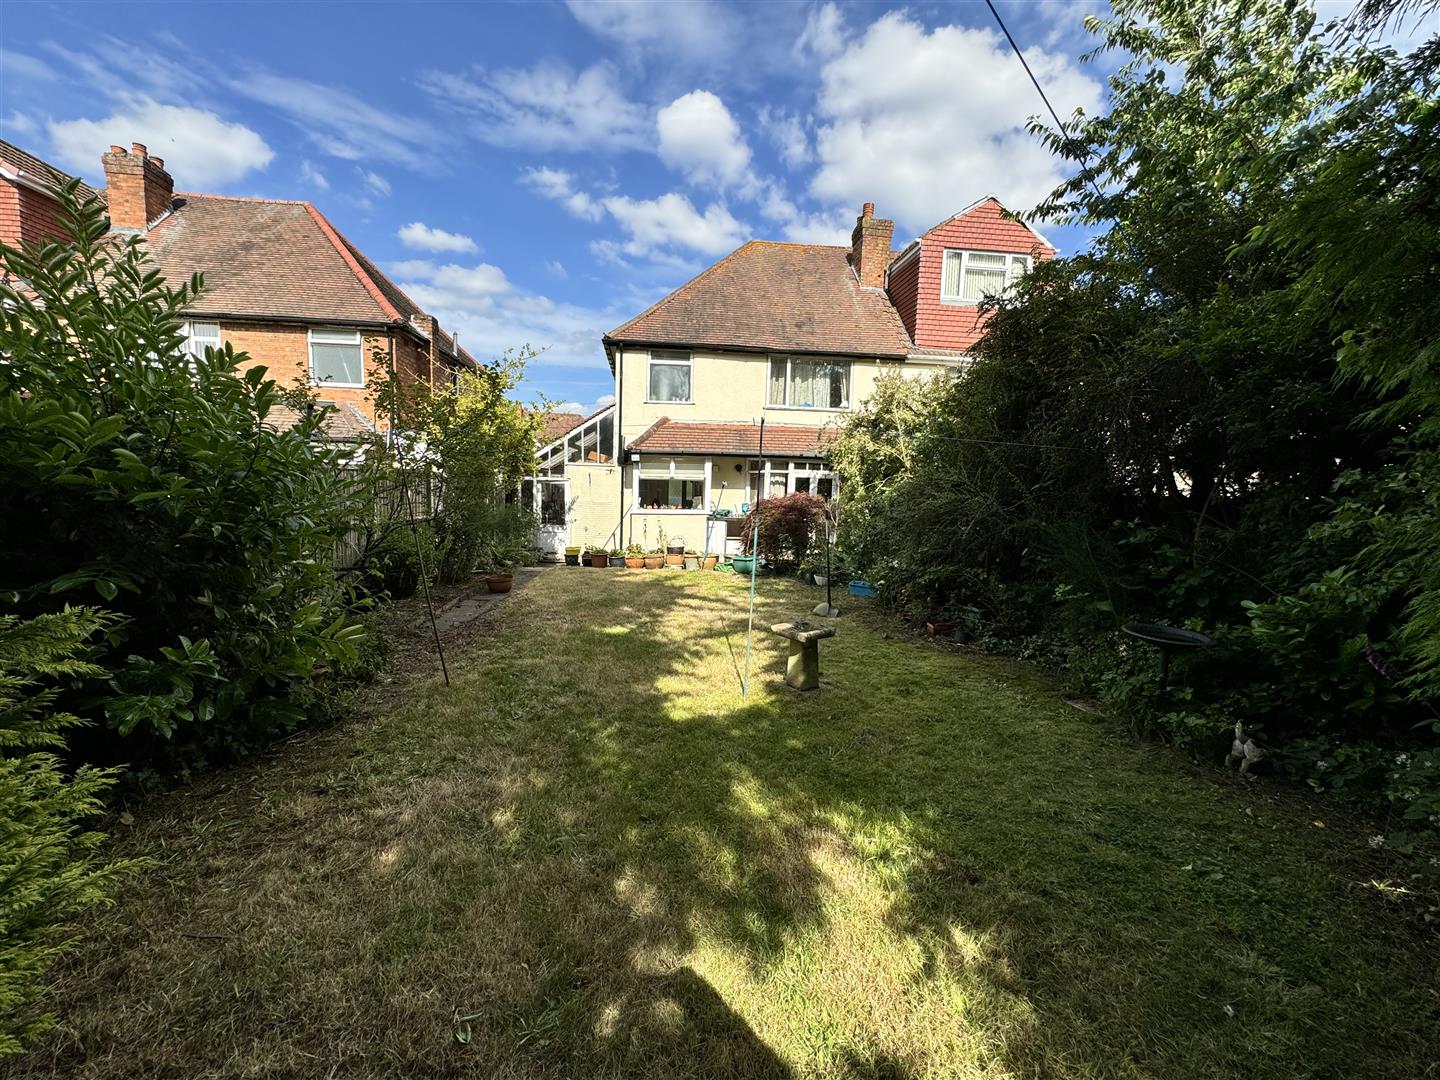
(1243, 750)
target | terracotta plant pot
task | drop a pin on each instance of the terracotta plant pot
(635, 562)
(674, 560)
(499, 582)
(711, 561)
(599, 558)
(941, 627)
(654, 562)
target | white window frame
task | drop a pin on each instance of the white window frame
(1016, 265)
(775, 468)
(789, 362)
(636, 508)
(670, 358)
(337, 331)
(192, 339)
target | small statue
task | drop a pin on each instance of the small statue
(1244, 750)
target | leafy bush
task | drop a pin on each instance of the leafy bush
(150, 478)
(786, 526)
(1223, 414)
(50, 871)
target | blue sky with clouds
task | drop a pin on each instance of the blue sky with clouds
(538, 173)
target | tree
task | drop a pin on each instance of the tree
(151, 478)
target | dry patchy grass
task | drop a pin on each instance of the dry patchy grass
(591, 857)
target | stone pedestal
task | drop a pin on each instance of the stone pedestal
(802, 670)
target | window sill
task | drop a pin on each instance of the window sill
(651, 510)
(809, 408)
(650, 401)
(959, 303)
(338, 385)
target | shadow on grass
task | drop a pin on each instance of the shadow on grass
(608, 863)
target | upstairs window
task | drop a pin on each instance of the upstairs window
(669, 377)
(198, 337)
(802, 382)
(970, 276)
(335, 358)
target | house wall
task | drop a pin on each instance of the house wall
(915, 292)
(284, 349)
(594, 509)
(27, 216)
(728, 387)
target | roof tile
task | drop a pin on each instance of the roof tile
(668, 436)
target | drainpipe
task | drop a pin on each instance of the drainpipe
(618, 447)
(390, 366)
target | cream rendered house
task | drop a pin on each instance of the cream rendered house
(796, 334)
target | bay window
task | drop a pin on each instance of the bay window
(669, 377)
(970, 276)
(335, 358)
(803, 382)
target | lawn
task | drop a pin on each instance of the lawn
(590, 856)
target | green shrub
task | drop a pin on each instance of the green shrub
(50, 870)
(151, 479)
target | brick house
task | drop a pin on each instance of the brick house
(281, 282)
(795, 333)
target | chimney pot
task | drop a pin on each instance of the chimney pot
(870, 247)
(138, 189)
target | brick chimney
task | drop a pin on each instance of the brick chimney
(870, 247)
(137, 187)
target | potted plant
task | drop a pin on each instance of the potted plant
(675, 553)
(654, 559)
(617, 557)
(635, 557)
(600, 557)
(692, 559)
(572, 555)
(743, 564)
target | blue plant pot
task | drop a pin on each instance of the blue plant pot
(862, 588)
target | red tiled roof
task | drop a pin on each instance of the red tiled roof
(771, 296)
(556, 425)
(40, 171)
(342, 422)
(668, 436)
(262, 257)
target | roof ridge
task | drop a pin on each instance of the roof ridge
(343, 248)
(241, 198)
(712, 268)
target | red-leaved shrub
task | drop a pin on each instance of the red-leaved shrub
(787, 527)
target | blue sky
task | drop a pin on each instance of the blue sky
(538, 173)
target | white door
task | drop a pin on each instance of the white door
(552, 504)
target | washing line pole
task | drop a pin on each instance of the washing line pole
(754, 557)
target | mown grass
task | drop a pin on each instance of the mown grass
(591, 857)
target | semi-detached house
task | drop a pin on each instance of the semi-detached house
(795, 333)
(281, 282)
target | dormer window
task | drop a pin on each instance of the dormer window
(970, 276)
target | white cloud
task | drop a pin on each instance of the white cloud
(375, 182)
(545, 107)
(419, 235)
(490, 315)
(787, 133)
(824, 34)
(559, 185)
(670, 221)
(200, 149)
(696, 30)
(943, 127)
(309, 174)
(557, 268)
(342, 124)
(18, 123)
(19, 66)
(700, 138)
